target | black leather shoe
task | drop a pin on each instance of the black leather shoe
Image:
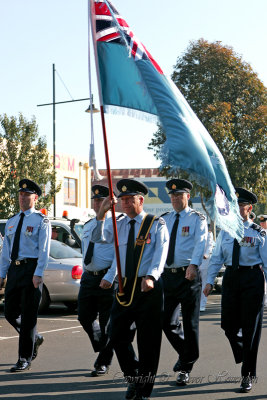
(100, 370)
(246, 384)
(37, 344)
(20, 366)
(182, 378)
(131, 391)
(177, 366)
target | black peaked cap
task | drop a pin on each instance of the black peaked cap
(26, 185)
(245, 196)
(131, 187)
(179, 186)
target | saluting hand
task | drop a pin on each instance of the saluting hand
(37, 280)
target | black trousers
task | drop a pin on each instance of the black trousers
(21, 305)
(146, 311)
(184, 337)
(242, 313)
(95, 302)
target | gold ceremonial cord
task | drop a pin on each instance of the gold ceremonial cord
(123, 303)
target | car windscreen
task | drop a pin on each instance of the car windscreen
(61, 250)
(79, 229)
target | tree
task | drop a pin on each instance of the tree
(230, 101)
(23, 155)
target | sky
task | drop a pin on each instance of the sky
(36, 34)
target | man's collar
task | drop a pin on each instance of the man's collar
(28, 212)
(138, 218)
(184, 211)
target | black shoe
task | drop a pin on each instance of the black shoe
(177, 366)
(37, 344)
(131, 391)
(100, 370)
(20, 366)
(246, 384)
(182, 378)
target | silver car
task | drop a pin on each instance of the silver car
(61, 277)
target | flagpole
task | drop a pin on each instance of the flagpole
(115, 231)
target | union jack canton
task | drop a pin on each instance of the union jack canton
(111, 27)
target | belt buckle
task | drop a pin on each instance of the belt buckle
(17, 262)
(174, 270)
(95, 273)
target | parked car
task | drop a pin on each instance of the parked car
(65, 230)
(61, 277)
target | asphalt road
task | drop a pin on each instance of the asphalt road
(62, 368)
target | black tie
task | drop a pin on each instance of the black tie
(129, 265)
(170, 257)
(15, 248)
(89, 253)
(235, 257)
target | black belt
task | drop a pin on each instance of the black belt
(25, 261)
(97, 273)
(175, 270)
(245, 266)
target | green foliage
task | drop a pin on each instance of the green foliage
(23, 155)
(230, 101)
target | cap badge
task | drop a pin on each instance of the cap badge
(124, 189)
(24, 185)
(261, 218)
(96, 191)
(173, 186)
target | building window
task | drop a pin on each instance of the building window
(70, 191)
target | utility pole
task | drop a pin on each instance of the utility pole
(54, 103)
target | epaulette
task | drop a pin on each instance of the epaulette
(162, 215)
(119, 216)
(45, 219)
(259, 229)
(201, 216)
(161, 220)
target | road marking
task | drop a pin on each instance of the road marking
(57, 319)
(53, 330)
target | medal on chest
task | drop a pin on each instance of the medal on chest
(185, 230)
(248, 241)
(29, 230)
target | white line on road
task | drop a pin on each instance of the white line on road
(57, 319)
(53, 330)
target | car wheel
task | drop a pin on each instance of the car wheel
(71, 305)
(45, 300)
